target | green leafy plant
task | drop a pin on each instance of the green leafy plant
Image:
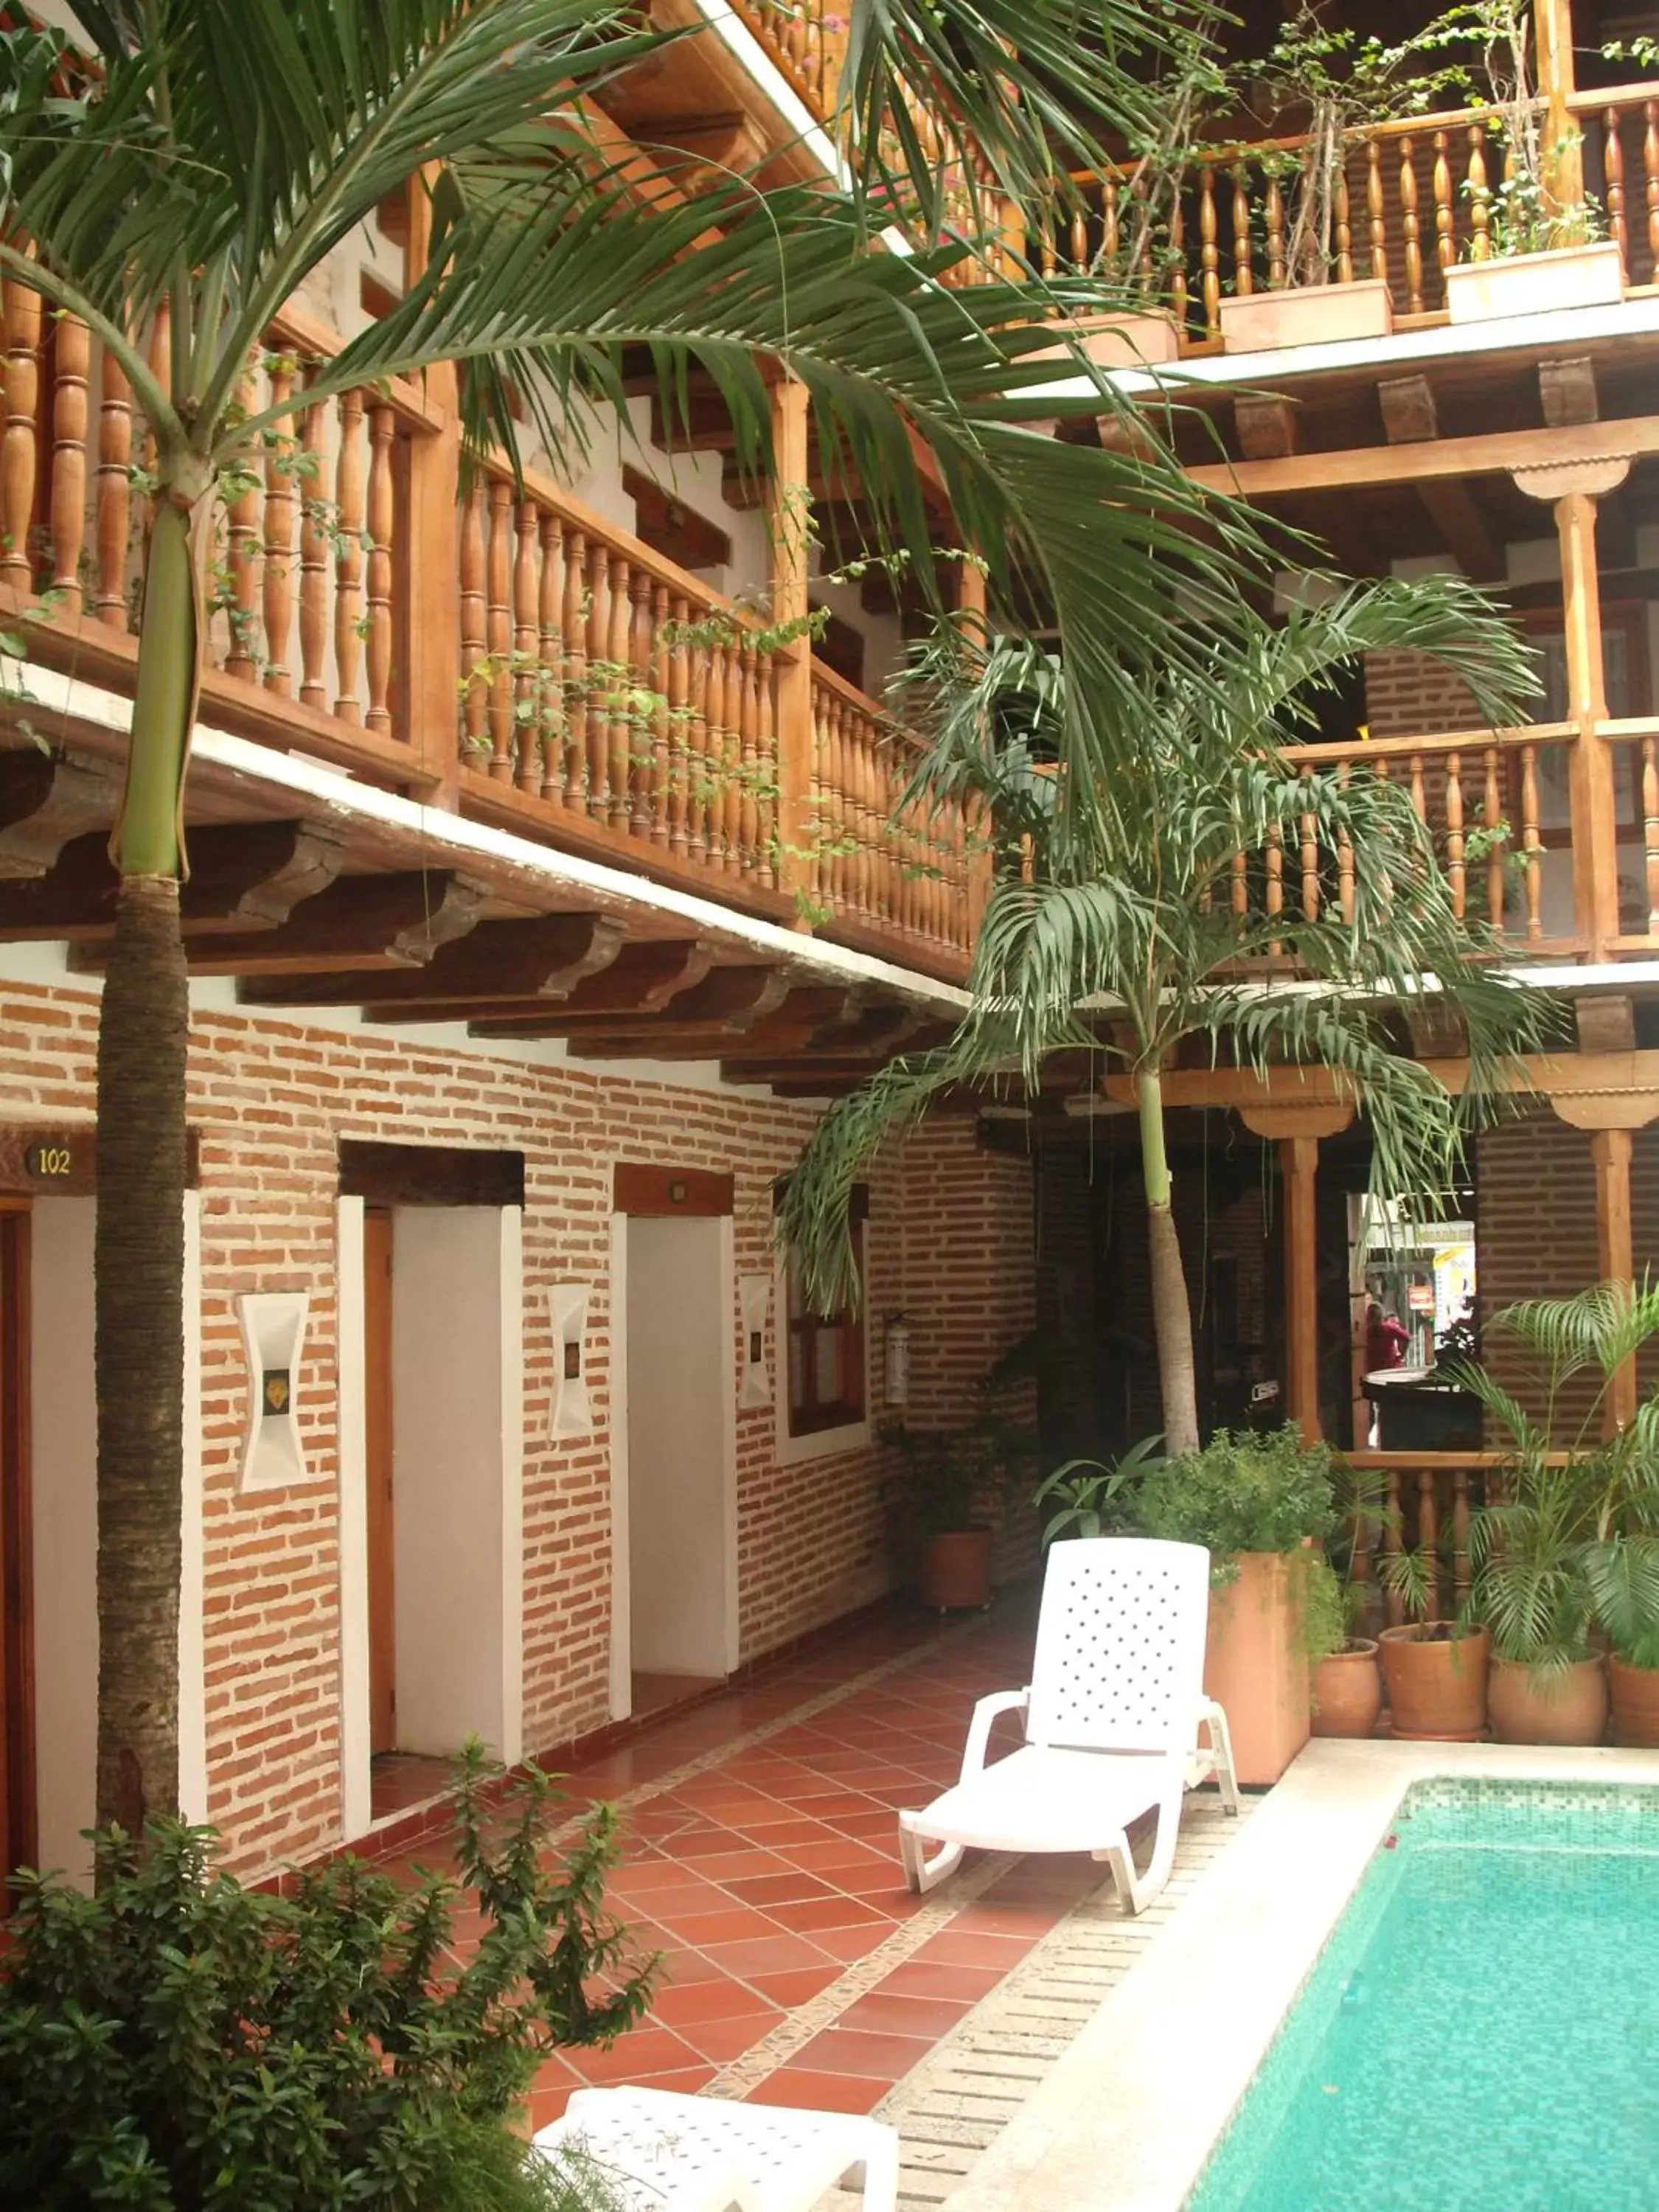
(1096, 1497)
(177, 2042)
(1242, 1493)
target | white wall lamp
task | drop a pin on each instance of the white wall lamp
(273, 1336)
(896, 1360)
(572, 1411)
(754, 1297)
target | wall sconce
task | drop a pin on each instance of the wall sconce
(896, 1361)
(573, 1411)
(754, 1297)
(273, 1332)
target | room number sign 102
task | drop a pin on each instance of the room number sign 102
(49, 1161)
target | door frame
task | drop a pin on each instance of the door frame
(621, 1625)
(19, 1803)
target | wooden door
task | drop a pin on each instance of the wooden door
(378, 1454)
(18, 1845)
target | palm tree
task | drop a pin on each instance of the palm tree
(1133, 907)
(172, 177)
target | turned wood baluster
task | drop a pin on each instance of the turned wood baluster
(1275, 896)
(1613, 155)
(473, 627)
(1492, 807)
(241, 553)
(549, 612)
(526, 649)
(1077, 244)
(870, 815)
(662, 756)
(69, 461)
(1532, 844)
(766, 742)
(19, 453)
(1480, 196)
(316, 508)
(594, 685)
(1344, 229)
(679, 688)
(1244, 275)
(1409, 230)
(348, 560)
(1376, 208)
(840, 807)
(1445, 228)
(1460, 1536)
(712, 765)
(1275, 226)
(498, 630)
(1310, 862)
(1111, 238)
(279, 536)
(813, 863)
(114, 495)
(573, 636)
(1345, 890)
(748, 813)
(732, 763)
(1650, 827)
(382, 509)
(1651, 181)
(618, 803)
(696, 752)
(1419, 801)
(1454, 872)
(1394, 1601)
(1209, 254)
(1178, 263)
(646, 793)
(1428, 1533)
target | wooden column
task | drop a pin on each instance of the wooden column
(1297, 1130)
(1563, 159)
(970, 600)
(1610, 1151)
(1573, 488)
(430, 641)
(1611, 1109)
(788, 503)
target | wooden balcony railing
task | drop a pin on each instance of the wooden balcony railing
(1414, 198)
(509, 652)
(807, 40)
(1429, 1498)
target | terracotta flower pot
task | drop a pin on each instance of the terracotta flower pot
(1347, 1691)
(1437, 1684)
(956, 1570)
(1571, 1709)
(1635, 1694)
(1255, 1665)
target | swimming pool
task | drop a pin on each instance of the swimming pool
(1481, 2032)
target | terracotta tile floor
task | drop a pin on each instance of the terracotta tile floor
(767, 1876)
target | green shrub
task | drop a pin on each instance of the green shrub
(176, 2042)
(1241, 1493)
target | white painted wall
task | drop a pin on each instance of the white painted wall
(65, 1450)
(458, 1431)
(679, 1352)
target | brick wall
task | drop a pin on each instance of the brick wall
(1408, 696)
(270, 1100)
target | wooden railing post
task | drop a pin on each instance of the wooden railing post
(970, 598)
(1563, 158)
(791, 551)
(1611, 1149)
(431, 639)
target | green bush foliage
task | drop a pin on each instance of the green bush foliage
(177, 2042)
(1242, 1493)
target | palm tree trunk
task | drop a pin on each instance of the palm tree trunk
(1172, 1317)
(139, 1253)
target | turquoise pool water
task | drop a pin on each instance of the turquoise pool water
(1481, 2032)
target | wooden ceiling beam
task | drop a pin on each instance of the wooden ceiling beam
(726, 1003)
(1490, 453)
(545, 957)
(47, 799)
(1566, 391)
(358, 922)
(1450, 506)
(243, 876)
(1410, 416)
(642, 979)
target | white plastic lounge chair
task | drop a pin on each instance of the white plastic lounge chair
(1112, 1717)
(661, 2152)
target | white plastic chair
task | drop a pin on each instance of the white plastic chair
(662, 2152)
(1112, 1717)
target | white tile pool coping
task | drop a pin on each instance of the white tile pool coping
(1127, 2117)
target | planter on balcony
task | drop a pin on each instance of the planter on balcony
(1535, 283)
(1122, 340)
(1319, 315)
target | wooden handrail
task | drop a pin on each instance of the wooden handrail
(1356, 749)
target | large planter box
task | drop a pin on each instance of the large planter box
(1147, 341)
(1255, 1665)
(1319, 315)
(1535, 283)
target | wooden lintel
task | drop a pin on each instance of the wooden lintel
(641, 980)
(1567, 390)
(46, 800)
(358, 922)
(1489, 453)
(1267, 426)
(1449, 505)
(1573, 1083)
(725, 1004)
(1409, 414)
(543, 958)
(1585, 480)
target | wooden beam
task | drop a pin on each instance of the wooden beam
(1490, 454)
(1449, 505)
(724, 1004)
(245, 876)
(1565, 1079)
(1566, 390)
(1267, 426)
(358, 922)
(543, 958)
(1605, 1021)
(46, 800)
(1409, 414)
(642, 979)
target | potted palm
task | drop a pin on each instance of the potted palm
(945, 1505)
(1567, 1559)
